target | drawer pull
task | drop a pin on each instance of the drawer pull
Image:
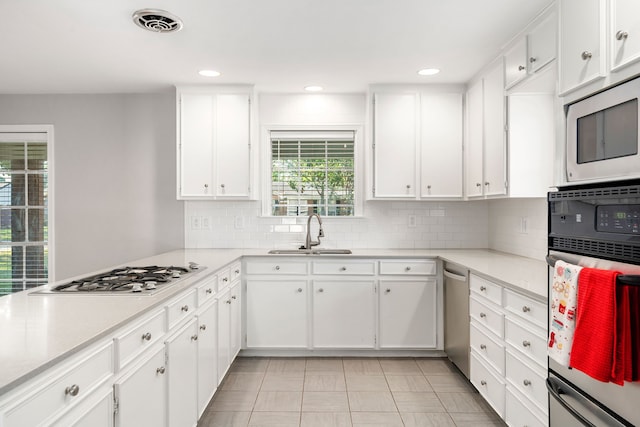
(407, 268)
(483, 347)
(277, 267)
(184, 308)
(225, 279)
(622, 35)
(203, 327)
(228, 301)
(388, 291)
(194, 338)
(483, 288)
(483, 315)
(586, 55)
(320, 290)
(527, 383)
(72, 390)
(209, 290)
(160, 370)
(234, 297)
(526, 309)
(526, 343)
(483, 382)
(146, 337)
(237, 271)
(299, 290)
(343, 268)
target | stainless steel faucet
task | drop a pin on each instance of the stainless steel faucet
(310, 243)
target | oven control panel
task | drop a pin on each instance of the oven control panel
(623, 219)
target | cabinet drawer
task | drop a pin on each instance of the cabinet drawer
(68, 386)
(138, 338)
(529, 379)
(533, 311)
(235, 271)
(487, 316)
(487, 348)
(345, 268)
(277, 267)
(180, 308)
(414, 267)
(487, 289)
(520, 414)
(528, 340)
(207, 290)
(490, 386)
(224, 278)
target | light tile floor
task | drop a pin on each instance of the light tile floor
(345, 392)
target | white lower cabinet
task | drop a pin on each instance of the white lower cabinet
(182, 358)
(141, 393)
(277, 313)
(235, 321)
(407, 314)
(96, 411)
(224, 335)
(343, 314)
(207, 354)
(490, 385)
(520, 413)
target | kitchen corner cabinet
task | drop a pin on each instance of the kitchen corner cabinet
(214, 144)
(486, 152)
(395, 139)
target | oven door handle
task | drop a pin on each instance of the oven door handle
(556, 391)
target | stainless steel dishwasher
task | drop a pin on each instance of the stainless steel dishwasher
(456, 315)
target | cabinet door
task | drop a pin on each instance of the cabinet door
(224, 335)
(141, 394)
(624, 33)
(515, 63)
(343, 314)
(196, 145)
(441, 143)
(581, 42)
(235, 319)
(277, 313)
(408, 314)
(207, 354)
(232, 144)
(475, 136)
(182, 359)
(395, 140)
(96, 411)
(495, 162)
(542, 43)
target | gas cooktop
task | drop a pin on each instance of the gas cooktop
(123, 281)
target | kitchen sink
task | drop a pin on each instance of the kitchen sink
(310, 252)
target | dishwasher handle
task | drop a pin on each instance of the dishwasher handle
(454, 276)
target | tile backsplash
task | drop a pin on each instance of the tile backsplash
(516, 226)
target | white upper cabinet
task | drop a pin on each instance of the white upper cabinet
(475, 137)
(395, 138)
(515, 63)
(214, 144)
(582, 45)
(624, 34)
(441, 145)
(541, 43)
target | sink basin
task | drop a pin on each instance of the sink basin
(310, 252)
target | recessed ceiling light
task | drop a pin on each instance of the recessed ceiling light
(209, 73)
(428, 71)
(313, 88)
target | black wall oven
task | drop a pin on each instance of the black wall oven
(598, 227)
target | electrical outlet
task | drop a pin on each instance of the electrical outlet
(239, 222)
(524, 225)
(196, 223)
(206, 223)
(412, 221)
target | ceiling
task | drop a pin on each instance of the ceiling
(80, 46)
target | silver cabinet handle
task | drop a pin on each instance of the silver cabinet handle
(483, 315)
(228, 301)
(184, 308)
(586, 55)
(388, 291)
(299, 290)
(483, 382)
(194, 338)
(206, 186)
(72, 390)
(234, 297)
(408, 186)
(521, 67)
(320, 290)
(221, 185)
(237, 271)
(532, 59)
(160, 370)
(483, 288)
(343, 268)
(483, 347)
(146, 337)
(407, 268)
(225, 279)
(209, 290)
(620, 35)
(203, 327)
(526, 343)
(277, 267)
(526, 309)
(527, 383)
(486, 183)
(478, 184)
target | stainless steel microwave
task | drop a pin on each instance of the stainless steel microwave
(602, 135)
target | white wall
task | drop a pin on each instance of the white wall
(114, 177)
(505, 230)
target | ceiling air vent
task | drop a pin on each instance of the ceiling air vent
(156, 20)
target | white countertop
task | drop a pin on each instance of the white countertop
(38, 331)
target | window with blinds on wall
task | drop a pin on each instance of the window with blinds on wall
(23, 211)
(312, 172)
